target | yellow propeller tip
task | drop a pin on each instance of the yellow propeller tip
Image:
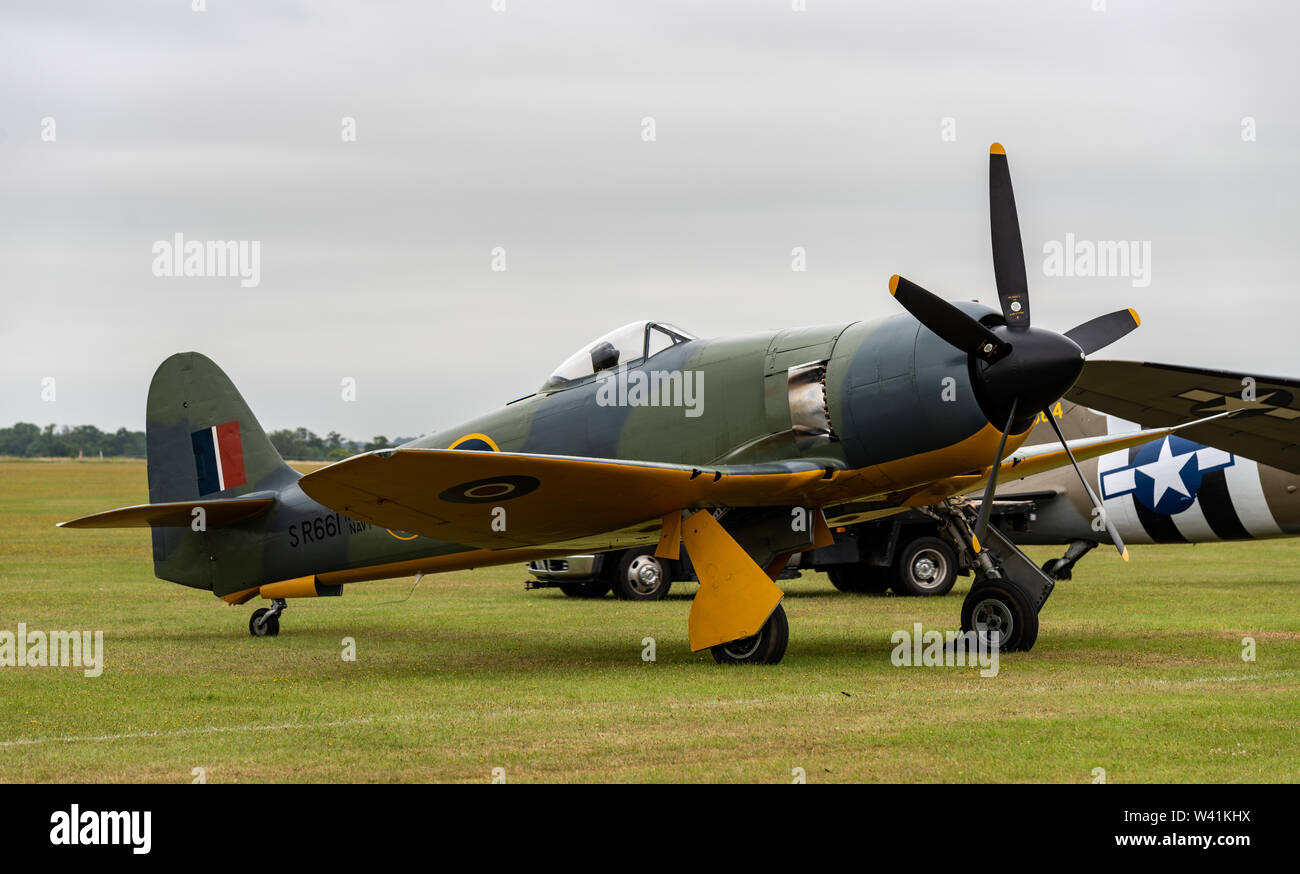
(1124, 554)
(893, 284)
(1136, 319)
(975, 542)
(996, 149)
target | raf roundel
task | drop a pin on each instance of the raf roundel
(484, 491)
(476, 442)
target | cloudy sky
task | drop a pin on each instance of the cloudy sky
(125, 123)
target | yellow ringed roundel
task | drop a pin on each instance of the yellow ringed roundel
(480, 442)
(476, 441)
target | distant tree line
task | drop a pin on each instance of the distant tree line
(299, 444)
(303, 445)
(26, 439)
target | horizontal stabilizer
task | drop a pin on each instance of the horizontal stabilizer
(179, 514)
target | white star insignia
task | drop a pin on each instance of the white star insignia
(1167, 472)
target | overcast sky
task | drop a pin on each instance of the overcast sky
(523, 129)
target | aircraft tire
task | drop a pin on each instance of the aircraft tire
(590, 589)
(765, 648)
(858, 578)
(640, 576)
(995, 605)
(259, 627)
(925, 566)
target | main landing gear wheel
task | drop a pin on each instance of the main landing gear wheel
(859, 578)
(592, 589)
(265, 621)
(994, 606)
(765, 648)
(640, 576)
(925, 566)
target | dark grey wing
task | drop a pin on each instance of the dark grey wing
(1266, 428)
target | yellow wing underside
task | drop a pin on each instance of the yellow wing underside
(511, 500)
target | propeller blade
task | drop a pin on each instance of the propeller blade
(1110, 526)
(986, 504)
(1100, 332)
(1008, 254)
(951, 324)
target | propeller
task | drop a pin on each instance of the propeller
(1008, 253)
(950, 323)
(1017, 368)
(1103, 330)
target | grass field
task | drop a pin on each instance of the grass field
(1138, 670)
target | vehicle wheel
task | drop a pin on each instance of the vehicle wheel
(591, 589)
(998, 607)
(765, 648)
(640, 576)
(859, 578)
(1050, 567)
(261, 625)
(925, 566)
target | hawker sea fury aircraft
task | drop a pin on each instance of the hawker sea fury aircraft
(788, 432)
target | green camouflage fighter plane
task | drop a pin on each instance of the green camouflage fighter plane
(745, 449)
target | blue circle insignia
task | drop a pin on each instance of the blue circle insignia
(1160, 472)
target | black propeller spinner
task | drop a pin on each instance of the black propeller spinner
(1018, 369)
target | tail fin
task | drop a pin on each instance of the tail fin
(204, 442)
(214, 480)
(205, 445)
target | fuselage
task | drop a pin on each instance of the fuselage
(885, 403)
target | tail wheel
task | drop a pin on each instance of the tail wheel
(1057, 569)
(991, 607)
(925, 566)
(859, 578)
(264, 622)
(641, 576)
(765, 648)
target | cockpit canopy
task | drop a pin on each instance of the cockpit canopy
(626, 345)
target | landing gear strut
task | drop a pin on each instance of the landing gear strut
(1009, 589)
(265, 621)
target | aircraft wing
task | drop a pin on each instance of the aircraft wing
(511, 499)
(501, 500)
(1266, 428)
